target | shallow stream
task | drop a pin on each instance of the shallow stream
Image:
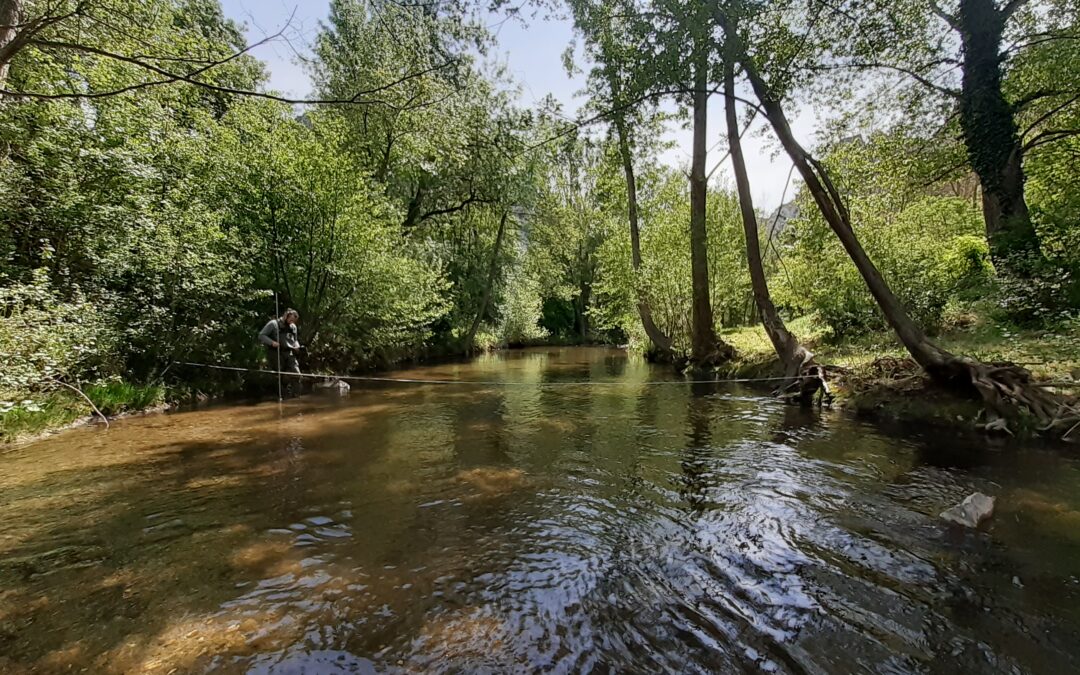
(626, 526)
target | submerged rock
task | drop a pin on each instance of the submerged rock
(975, 508)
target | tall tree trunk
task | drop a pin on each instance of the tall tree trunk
(584, 296)
(9, 19)
(705, 347)
(991, 137)
(493, 266)
(661, 343)
(932, 358)
(792, 354)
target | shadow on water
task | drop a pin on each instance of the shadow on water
(480, 528)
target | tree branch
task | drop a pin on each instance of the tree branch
(30, 29)
(921, 79)
(1038, 39)
(1050, 136)
(471, 199)
(578, 124)
(1049, 113)
(1025, 101)
(79, 391)
(168, 77)
(728, 153)
(944, 16)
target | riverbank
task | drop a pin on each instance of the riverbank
(32, 417)
(873, 375)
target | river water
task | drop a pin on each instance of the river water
(533, 525)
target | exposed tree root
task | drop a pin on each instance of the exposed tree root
(810, 385)
(1008, 392)
(721, 354)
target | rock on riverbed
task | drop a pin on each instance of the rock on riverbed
(975, 508)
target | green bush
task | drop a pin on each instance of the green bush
(29, 417)
(929, 252)
(521, 312)
(45, 337)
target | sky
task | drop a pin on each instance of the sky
(533, 55)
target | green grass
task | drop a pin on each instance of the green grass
(117, 396)
(51, 411)
(1048, 354)
(887, 393)
(59, 408)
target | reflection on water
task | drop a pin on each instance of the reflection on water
(626, 527)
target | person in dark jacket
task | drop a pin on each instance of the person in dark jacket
(281, 337)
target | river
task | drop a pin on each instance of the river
(533, 525)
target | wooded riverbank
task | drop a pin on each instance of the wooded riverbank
(870, 376)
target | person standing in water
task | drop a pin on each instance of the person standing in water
(281, 335)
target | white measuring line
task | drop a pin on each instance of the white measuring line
(404, 380)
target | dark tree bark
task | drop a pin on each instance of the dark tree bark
(585, 297)
(991, 137)
(792, 354)
(493, 268)
(9, 19)
(705, 348)
(661, 343)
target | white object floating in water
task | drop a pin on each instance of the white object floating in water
(332, 387)
(975, 508)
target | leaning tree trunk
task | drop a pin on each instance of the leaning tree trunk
(705, 348)
(661, 343)
(931, 357)
(992, 139)
(792, 354)
(1004, 388)
(493, 267)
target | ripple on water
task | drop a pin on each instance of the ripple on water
(619, 529)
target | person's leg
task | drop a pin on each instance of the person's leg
(271, 365)
(289, 364)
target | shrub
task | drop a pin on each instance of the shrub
(521, 311)
(929, 252)
(44, 337)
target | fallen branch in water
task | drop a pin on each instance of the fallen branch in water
(87, 398)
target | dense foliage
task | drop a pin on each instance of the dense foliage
(159, 205)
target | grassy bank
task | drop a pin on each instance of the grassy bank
(29, 415)
(876, 376)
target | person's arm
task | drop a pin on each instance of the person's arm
(264, 334)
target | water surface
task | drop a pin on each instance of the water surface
(533, 526)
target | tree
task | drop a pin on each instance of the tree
(493, 267)
(652, 64)
(1002, 112)
(441, 142)
(792, 355)
(706, 348)
(572, 219)
(615, 89)
(1001, 387)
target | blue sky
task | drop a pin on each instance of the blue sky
(533, 54)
